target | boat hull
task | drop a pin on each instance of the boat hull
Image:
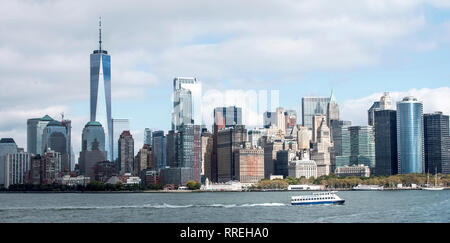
(323, 202)
(433, 189)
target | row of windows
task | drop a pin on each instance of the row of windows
(312, 199)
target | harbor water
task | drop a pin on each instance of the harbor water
(221, 207)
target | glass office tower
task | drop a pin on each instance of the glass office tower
(313, 106)
(410, 136)
(228, 116)
(386, 156)
(436, 143)
(362, 146)
(35, 130)
(101, 93)
(187, 107)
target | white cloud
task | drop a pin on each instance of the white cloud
(45, 46)
(438, 99)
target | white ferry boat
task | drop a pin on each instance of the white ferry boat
(318, 198)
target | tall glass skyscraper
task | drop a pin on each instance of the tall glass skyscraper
(101, 92)
(362, 146)
(437, 143)
(187, 105)
(386, 155)
(35, 130)
(410, 136)
(313, 106)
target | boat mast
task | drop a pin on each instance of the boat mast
(435, 177)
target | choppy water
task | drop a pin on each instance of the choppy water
(247, 207)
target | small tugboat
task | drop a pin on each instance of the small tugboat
(318, 198)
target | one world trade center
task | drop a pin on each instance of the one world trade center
(101, 92)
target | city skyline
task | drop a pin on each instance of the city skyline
(137, 85)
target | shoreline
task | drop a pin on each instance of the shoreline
(204, 191)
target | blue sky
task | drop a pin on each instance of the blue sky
(358, 48)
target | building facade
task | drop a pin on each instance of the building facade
(7, 146)
(229, 140)
(92, 148)
(354, 170)
(119, 125)
(386, 156)
(249, 165)
(321, 152)
(126, 153)
(35, 130)
(313, 106)
(362, 146)
(159, 150)
(410, 136)
(186, 102)
(100, 93)
(436, 143)
(17, 167)
(303, 168)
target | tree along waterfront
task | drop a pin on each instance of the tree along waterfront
(333, 182)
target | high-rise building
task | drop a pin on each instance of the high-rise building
(92, 148)
(159, 150)
(437, 143)
(304, 137)
(410, 136)
(143, 159)
(386, 156)
(362, 146)
(229, 140)
(186, 102)
(187, 156)
(56, 137)
(291, 119)
(17, 167)
(276, 118)
(322, 148)
(7, 146)
(207, 149)
(281, 166)
(100, 93)
(270, 156)
(332, 109)
(317, 122)
(249, 163)
(313, 106)
(50, 167)
(386, 102)
(223, 117)
(190, 150)
(371, 112)
(118, 126)
(148, 136)
(126, 153)
(35, 130)
(228, 116)
(340, 136)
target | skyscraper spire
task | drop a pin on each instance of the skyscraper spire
(332, 98)
(100, 33)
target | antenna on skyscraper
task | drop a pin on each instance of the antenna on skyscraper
(100, 33)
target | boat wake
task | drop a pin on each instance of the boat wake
(157, 206)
